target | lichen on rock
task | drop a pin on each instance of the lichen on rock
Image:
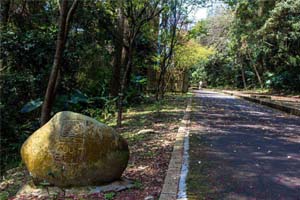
(75, 150)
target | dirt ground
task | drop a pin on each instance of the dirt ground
(150, 153)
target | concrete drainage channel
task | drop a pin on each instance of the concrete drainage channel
(175, 181)
(265, 102)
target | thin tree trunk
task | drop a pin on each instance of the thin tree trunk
(167, 57)
(168, 80)
(163, 86)
(238, 62)
(117, 65)
(116, 75)
(134, 26)
(261, 6)
(160, 84)
(185, 81)
(243, 77)
(258, 76)
(163, 69)
(123, 83)
(256, 72)
(128, 76)
(5, 7)
(65, 17)
(162, 50)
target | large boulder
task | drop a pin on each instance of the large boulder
(75, 150)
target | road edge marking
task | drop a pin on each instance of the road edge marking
(178, 165)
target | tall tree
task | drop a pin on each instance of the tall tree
(66, 14)
(173, 20)
(118, 54)
(138, 14)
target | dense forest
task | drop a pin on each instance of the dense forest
(256, 45)
(99, 57)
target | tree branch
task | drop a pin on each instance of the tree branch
(69, 16)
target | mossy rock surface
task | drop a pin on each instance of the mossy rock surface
(75, 150)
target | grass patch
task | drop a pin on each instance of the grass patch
(109, 196)
(138, 184)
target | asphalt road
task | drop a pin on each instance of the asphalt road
(256, 148)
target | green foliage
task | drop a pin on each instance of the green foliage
(190, 53)
(26, 56)
(192, 56)
(198, 30)
(4, 195)
(198, 73)
(109, 196)
(262, 43)
(138, 184)
(27, 50)
(220, 71)
(135, 93)
(280, 35)
(264, 34)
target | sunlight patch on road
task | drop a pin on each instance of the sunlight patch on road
(214, 95)
(291, 182)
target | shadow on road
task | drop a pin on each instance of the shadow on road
(254, 150)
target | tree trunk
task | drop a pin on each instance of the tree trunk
(256, 71)
(117, 65)
(258, 76)
(123, 84)
(65, 17)
(116, 74)
(243, 77)
(185, 82)
(128, 76)
(162, 50)
(160, 84)
(167, 55)
(163, 86)
(134, 24)
(5, 7)
(238, 62)
(261, 6)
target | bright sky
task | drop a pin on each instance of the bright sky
(198, 14)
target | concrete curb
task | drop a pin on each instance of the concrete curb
(171, 182)
(269, 103)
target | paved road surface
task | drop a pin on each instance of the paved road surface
(257, 148)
